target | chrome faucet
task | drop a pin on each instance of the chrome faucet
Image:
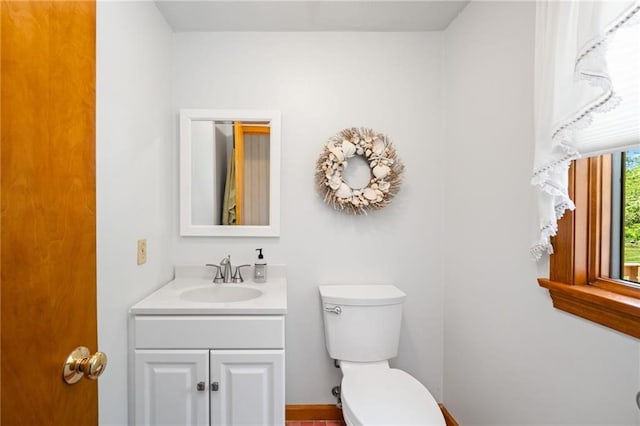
(226, 273)
(223, 271)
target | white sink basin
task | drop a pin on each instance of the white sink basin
(220, 293)
(192, 292)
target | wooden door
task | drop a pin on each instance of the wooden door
(48, 201)
(172, 387)
(250, 387)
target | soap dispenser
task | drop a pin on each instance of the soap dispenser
(260, 268)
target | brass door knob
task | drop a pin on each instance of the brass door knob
(80, 363)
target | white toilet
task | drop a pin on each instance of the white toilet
(362, 330)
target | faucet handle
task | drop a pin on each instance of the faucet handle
(218, 278)
(237, 276)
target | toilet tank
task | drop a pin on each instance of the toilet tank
(362, 322)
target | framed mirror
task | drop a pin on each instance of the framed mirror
(229, 173)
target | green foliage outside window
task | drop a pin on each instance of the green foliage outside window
(632, 207)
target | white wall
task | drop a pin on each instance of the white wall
(322, 83)
(134, 150)
(509, 357)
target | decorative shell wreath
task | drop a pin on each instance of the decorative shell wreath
(378, 152)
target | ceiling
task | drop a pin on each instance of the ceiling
(309, 15)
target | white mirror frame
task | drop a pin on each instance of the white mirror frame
(187, 228)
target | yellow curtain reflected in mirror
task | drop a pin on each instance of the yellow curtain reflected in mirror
(250, 174)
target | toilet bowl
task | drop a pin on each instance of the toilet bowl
(362, 330)
(387, 396)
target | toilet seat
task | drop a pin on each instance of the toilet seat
(387, 397)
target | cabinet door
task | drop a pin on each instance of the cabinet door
(250, 387)
(166, 387)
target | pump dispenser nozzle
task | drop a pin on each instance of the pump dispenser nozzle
(260, 268)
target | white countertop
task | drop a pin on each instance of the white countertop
(167, 301)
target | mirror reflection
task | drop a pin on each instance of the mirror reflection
(229, 172)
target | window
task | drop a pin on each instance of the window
(582, 277)
(629, 227)
(592, 271)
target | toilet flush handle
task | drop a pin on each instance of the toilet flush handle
(333, 309)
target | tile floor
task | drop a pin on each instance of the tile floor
(314, 423)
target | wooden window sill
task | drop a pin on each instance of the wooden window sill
(611, 309)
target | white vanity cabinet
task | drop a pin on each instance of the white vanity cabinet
(250, 387)
(209, 370)
(170, 387)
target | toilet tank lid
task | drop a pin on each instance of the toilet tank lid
(362, 294)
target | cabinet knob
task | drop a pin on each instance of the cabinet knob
(215, 386)
(201, 386)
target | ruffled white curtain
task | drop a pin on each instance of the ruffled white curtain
(587, 94)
